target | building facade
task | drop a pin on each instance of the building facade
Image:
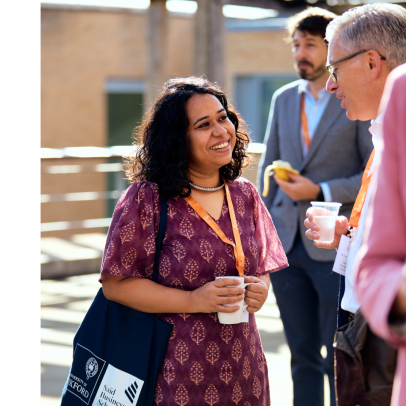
(94, 68)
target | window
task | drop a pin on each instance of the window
(125, 110)
(124, 113)
(253, 99)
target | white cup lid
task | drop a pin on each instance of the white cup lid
(326, 204)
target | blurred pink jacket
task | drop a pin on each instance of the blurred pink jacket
(383, 254)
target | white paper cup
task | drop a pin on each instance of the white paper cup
(235, 317)
(325, 215)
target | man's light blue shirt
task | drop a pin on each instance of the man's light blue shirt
(314, 111)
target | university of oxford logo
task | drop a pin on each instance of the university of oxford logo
(91, 368)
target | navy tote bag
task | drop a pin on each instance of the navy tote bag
(118, 351)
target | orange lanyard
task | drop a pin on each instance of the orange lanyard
(359, 202)
(303, 119)
(238, 251)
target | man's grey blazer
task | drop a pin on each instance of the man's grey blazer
(338, 154)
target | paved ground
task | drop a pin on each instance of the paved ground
(64, 303)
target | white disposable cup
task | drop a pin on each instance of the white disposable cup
(325, 215)
(235, 317)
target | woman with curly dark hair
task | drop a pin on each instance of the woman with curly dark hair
(192, 146)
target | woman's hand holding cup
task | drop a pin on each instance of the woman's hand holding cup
(213, 296)
(256, 293)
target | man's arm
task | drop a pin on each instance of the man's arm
(342, 190)
(380, 278)
(271, 154)
(299, 187)
(382, 267)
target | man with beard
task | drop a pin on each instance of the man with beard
(308, 129)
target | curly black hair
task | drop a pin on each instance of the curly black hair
(163, 145)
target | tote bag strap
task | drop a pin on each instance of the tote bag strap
(161, 235)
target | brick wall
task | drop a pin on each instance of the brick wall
(82, 48)
(256, 52)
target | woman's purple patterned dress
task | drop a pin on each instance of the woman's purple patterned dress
(206, 362)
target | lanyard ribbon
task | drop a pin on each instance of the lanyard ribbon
(303, 119)
(238, 251)
(359, 202)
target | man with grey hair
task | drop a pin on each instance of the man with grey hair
(308, 129)
(365, 44)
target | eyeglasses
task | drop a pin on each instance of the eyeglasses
(331, 71)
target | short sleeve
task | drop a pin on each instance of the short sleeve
(272, 257)
(130, 245)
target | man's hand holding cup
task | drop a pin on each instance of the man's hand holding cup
(341, 227)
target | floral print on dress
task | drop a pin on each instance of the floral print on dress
(168, 372)
(240, 207)
(181, 395)
(237, 393)
(246, 371)
(227, 332)
(164, 266)
(178, 251)
(198, 332)
(191, 271)
(226, 372)
(186, 228)
(205, 250)
(149, 245)
(146, 216)
(196, 374)
(211, 396)
(127, 232)
(221, 268)
(236, 352)
(158, 394)
(129, 258)
(212, 352)
(206, 363)
(171, 211)
(181, 352)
